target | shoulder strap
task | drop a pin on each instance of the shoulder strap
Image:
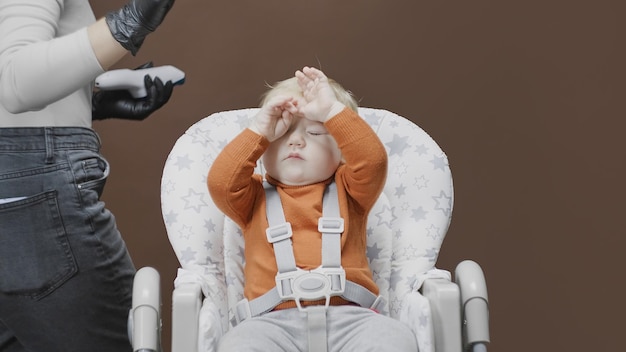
(279, 233)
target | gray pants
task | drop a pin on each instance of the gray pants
(65, 274)
(349, 328)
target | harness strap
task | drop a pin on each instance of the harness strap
(331, 226)
(316, 320)
(266, 302)
(279, 233)
(330, 274)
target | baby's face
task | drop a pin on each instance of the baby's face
(306, 154)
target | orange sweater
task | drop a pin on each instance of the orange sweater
(239, 193)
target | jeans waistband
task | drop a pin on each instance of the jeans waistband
(16, 139)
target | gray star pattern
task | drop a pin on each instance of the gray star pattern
(194, 200)
(199, 138)
(396, 304)
(397, 145)
(373, 252)
(409, 251)
(243, 121)
(400, 169)
(439, 162)
(400, 191)
(222, 144)
(185, 232)
(432, 254)
(187, 255)
(372, 119)
(433, 232)
(170, 218)
(230, 280)
(209, 225)
(444, 203)
(382, 218)
(183, 162)
(424, 320)
(419, 214)
(421, 182)
(240, 252)
(421, 149)
(168, 186)
(395, 279)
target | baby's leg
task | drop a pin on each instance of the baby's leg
(283, 330)
(352, 328)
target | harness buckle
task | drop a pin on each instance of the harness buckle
(279, 232)
(328, 224)
(304, 285)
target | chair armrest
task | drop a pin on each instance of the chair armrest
(473, 286)
(144, 319)
(186, 304)
(445, 305)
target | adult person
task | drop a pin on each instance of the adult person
(65, 272)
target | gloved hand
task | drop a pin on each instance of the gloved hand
(121, 104)
(134, 21)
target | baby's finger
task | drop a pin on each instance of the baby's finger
(290, 106)
(302, 79)
(279, 100)
(313, 73)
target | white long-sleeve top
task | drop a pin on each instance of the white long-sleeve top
(47, 64)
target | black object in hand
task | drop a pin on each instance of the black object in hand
(121, 104)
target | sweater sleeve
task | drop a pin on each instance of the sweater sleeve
(37, 65)
(365, 170)
(230, 181)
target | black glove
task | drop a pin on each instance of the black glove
(121, 104)
(134, 21)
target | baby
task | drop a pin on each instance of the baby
(312, 143)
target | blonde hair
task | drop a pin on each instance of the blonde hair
(290, 86)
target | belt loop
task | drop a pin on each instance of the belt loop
(48, 135)
(98, 139)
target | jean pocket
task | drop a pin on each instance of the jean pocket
(93, 174)
(35, 254)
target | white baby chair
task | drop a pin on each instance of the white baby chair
(405, 231)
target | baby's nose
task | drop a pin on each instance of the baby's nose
(295, 138)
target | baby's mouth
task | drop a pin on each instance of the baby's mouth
(294, 156)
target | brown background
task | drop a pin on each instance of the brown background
(525, 97)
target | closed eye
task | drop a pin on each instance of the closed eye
(317, 132)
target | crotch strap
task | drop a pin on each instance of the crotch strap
(293, 283)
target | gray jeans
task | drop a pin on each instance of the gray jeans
(65, 273)
(349, 329)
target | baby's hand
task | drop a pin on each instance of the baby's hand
(320, 102)
(275, 117)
